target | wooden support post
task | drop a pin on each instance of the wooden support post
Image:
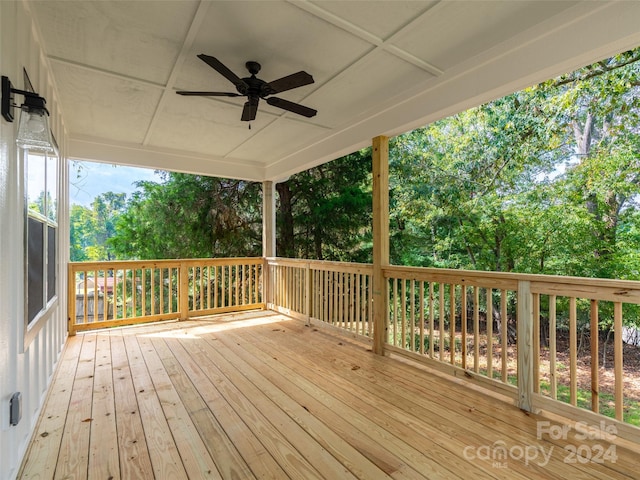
(380, 240)
(183, 291)
(71, 305)
(268, 239)
(307, 292)
(525, 346)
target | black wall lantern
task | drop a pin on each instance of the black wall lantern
(33, 130)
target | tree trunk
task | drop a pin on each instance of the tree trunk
(285, 241)
(317, 242)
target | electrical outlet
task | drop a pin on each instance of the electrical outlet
(15, 409)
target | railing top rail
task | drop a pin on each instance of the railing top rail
(223, 261)
(321, 265)
(460, 277)
(538, 281)
(120, 264)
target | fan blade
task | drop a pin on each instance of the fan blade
(219, 67)
(250, 109)
(292, 107)
(210, 94)
(294, 80)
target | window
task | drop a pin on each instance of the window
(41, 172)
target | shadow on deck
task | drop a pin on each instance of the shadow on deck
(259, 395)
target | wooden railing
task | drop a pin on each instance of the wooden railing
(509, 331)
(449, 316)
(566, 314)
(521, 335)
(107, 294)
(334, 293)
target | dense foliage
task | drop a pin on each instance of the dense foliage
(191, 216)
(545, 180)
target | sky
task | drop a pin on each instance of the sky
(90, 179)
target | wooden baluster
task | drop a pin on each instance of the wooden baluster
(504, 331)
(85, 298)
(421, 317)
(618, 359)
(595, 388)
(573, 352)
(395, 311)
(412, 315)
(134, 292)
(238, 283)
(463, 325)
(431, 320)
(96, 290)
(536, 342)
(403, 312)
(553, 378)
(161, 307)
(452, 324)
(358, 292)
(441, 323)
(489, 332)
(476, 330)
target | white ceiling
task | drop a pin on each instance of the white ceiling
(380, 68)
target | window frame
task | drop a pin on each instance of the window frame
(32, 326)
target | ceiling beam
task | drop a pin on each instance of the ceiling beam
(377, 42)
(196, 23)
(99, 150)
(108, 73)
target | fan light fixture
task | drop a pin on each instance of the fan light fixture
(33, 130)
(255, 89)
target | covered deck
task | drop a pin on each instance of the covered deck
(262, 395)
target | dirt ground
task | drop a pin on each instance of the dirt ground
(631, 362)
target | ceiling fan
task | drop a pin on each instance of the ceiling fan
(254, 89)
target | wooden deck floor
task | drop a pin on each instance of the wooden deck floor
(258, 395)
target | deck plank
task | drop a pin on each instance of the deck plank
(230, 440)
(135, 462)
(446, 435)
(455, 406)
(278, 445)
(73, 457)
(258, 395)
(258, 373)
(519, 429)
(352, 444)
(372, 416)
(45, 447)
(104, 459)
(193, 453)
(165, 458)
(283, 412)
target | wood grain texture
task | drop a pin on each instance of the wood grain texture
(259, 395)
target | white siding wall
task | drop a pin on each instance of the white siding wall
(28, 371)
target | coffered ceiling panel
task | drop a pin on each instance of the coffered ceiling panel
(452, 32)
(139, 39)
(105, 106)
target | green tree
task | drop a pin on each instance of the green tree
(324, 213)
(92, 228)
(188, 216)
(485, 189)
